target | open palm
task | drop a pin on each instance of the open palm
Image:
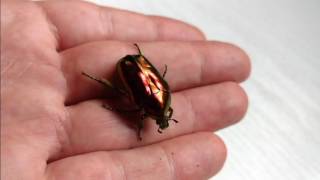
(52, 123)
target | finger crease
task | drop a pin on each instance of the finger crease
(52, 27)
(108, 27)
(121, 167)
(191, 110)
(155, 28)
(62, 135)
(202, 63)
(170, 163)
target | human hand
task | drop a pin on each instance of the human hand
(52, 122)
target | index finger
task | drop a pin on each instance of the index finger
(80, 22)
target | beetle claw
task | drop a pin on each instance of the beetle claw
(159, 131)
(176, 121)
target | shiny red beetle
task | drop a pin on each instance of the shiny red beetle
(145, 86)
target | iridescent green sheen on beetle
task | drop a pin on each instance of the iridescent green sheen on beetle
(145, 86)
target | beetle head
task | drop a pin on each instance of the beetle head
(163, 121)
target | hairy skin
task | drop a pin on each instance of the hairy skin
(52, 123)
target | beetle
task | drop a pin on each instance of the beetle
(145, 87)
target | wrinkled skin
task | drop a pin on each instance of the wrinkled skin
(52, 122)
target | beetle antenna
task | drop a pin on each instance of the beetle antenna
(176, 121)
(140, 52)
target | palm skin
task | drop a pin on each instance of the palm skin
(52, 123)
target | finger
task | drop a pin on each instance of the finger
(79, 22)
(206, 108)
(196, 156)
(189, 64)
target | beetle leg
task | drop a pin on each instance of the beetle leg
(140, 52)
(165, 70)
(106, 83)
(101, 81)
(170, 114)
(140, 125)
(121, 91)
(120, 110)
(176, 121)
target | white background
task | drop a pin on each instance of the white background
(279, 139)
